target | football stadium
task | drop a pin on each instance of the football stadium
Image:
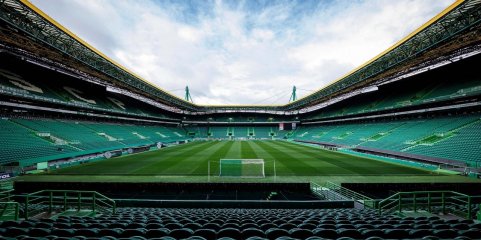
(91, 150)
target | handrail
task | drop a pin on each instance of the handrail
(479, 213)
(6, 195)
(427, 200)
(333, 191)
(51, 200)
(6, 211)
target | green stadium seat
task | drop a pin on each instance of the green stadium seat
(256, 238)
(274, 233)
(252, 232)
(228, 232)
(196, 238)
(350, 233)
(206, 233)
(112, 232)
(62, 232)
(325, 233)
(300, 233)
(368, 233)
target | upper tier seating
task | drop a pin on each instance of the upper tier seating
(57, 92)
(149, 223)
(415, 94)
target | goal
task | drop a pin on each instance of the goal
(243, 168)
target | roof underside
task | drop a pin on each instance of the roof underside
(25, 27)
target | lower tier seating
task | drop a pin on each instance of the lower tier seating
(234, 132)
(35, 140)
(157, 223)
(455, 137)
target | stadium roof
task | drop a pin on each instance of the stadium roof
(460, 22)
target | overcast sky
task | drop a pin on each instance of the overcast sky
(241, 52)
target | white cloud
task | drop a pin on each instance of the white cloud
(241, 52)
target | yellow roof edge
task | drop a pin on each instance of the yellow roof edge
(64, 29)
(419, 29)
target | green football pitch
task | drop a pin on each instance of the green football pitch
(193, 159)
(199, 162)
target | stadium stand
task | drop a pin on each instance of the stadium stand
(21, 144)
(218, 132)
(35, 140)
(63, 91)
(438, 137)
(424, 90)
(249, 131)
(263, 132)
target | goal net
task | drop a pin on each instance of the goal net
(244, 168)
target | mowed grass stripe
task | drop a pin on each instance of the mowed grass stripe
(325, 163)
(269, 160)
(348, 163)
(154, 164)
(162, 161)
(164, 164)
(247, 151)
(371, 166)
(289, 160)
(125, 164)
(316, 160)
(213, 156)
(234, 151)
(363, 166)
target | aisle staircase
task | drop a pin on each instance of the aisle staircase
(251, 132)
(230, 132)
(335, 192)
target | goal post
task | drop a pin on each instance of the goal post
(220, 170)
(243, 168)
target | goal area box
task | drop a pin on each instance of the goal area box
(242, 168)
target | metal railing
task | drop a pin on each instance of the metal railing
(333, 191)
(9, 211)
(479, 213)
(431, 201)
(58, 201)
(6, 195)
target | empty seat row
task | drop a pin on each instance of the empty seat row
(157, 223)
